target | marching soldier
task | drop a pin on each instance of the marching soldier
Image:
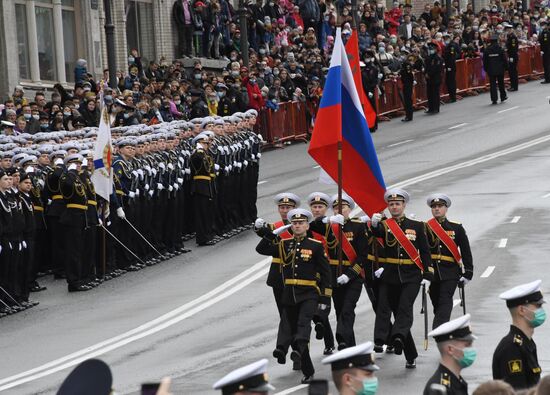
(353, 370)
(454, 341)
(451, 257)
(512, 46)
(250, 379)
(346, 278)
(433, 68)
(407, 266)
(515, 359)
(307, 287)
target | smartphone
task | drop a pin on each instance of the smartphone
(318, 387)
(149, 388)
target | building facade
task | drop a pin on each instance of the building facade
(43, 39)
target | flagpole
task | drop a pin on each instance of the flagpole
(341, 227)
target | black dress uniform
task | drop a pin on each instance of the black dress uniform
(515, 360)
(202, 189)
(306, 276)
(450, 55)
(400, 283)
(495, 63)
(512, 46)
(433, 69)
(447, 271)
(544, 41)
(407, 79)
(454, 385)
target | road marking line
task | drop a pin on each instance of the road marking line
(458, 126)
(508, 109)
(262, 182)
(316, 167)
(545, 196)
(401, 142)
(488, 272)
(456, 302)
(515, 220)
(292, 389)
(90, 351)
(502, 243)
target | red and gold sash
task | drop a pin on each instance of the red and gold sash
(409, 248)
(436, 227)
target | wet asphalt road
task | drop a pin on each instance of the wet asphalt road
(214, 312)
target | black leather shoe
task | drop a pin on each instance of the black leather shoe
(398, 346)
(307, 379)
(132, 268)
(389, 350)
(503, 99)
(512, 90)
(328, 351)
(378, 348)
(280, 355)
(406, 119)
(545, 82)
(411, 364)
(207, 243)
(79, 288)
(341, 346)
(494, 102)
(319, 331)
(185, 250)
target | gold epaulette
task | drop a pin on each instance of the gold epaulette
(454, 222)
(356, 220)
(518, 340)
(445, 380)
(317, 241)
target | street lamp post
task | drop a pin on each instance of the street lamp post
(244, 32)
(110, 40)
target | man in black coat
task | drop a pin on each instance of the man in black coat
(495, 63)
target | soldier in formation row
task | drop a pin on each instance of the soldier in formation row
(171, 182)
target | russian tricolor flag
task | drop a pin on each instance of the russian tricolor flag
(340, 118)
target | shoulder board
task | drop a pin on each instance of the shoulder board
(445, 380)
(416, 220)
(455, 222)
(317, 241)
(356, 220)
(518, 340)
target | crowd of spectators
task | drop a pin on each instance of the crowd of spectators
(290, 47)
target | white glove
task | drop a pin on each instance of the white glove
(30, 169)
(72, 166)
(137, 192)
(179, 180)
(253, 156)
(380, 75)
(151, 192)
(141, 174)
(181, 160)
(234, 163)
(99, 222)
(170, 188)
(160, 187)
(322, 306)
(426, 283)
(9, 243)
(343, 279)
(20, 246)
(259, 155)
(170, 166)
(188, 171)
(58, 162)
(0, 248)
(146, 187)
(370, 95)
(511, 60)
(376, 218)
(41, 183)
(379, 272)
(464, 280)
(216, 167)
(24, 243)
(135, 173)
(259, 223)
(414, 82)
(364, 219)
(154, 171)
(280, 230)
(120, 213)
(325, 220)
(337, 219)
(131, 194)
(245, 163)
(162, 165)
(176, 186)
(449, 69)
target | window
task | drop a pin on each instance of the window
(69, 43)
(46, 43)
(22, 41)
(139, 29)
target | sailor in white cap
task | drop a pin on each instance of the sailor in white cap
(353, 370)
(454, 341)
(318, 204)
(407, 266)
(250, 379)
(346, 277)
(285, 202)
(306, 276)
(515, 359)
(451, 257)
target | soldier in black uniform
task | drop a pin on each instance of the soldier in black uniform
(402, 275)
(346, 279)
(226, 105)
(454, 341)
(448, 273)
(450, 54)
(370, 80)
(307, 287)
(433, 67)
(407, 79)
(512, 46)
(515, 359)
(199, 109)
(494, 63)
(544, 41)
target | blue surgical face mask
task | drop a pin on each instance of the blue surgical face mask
(538, 318)
(126, 115)
(36, 116)
(370, 386)
(468, 357)
(27, 116)
(44, 126)
(67, 114)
